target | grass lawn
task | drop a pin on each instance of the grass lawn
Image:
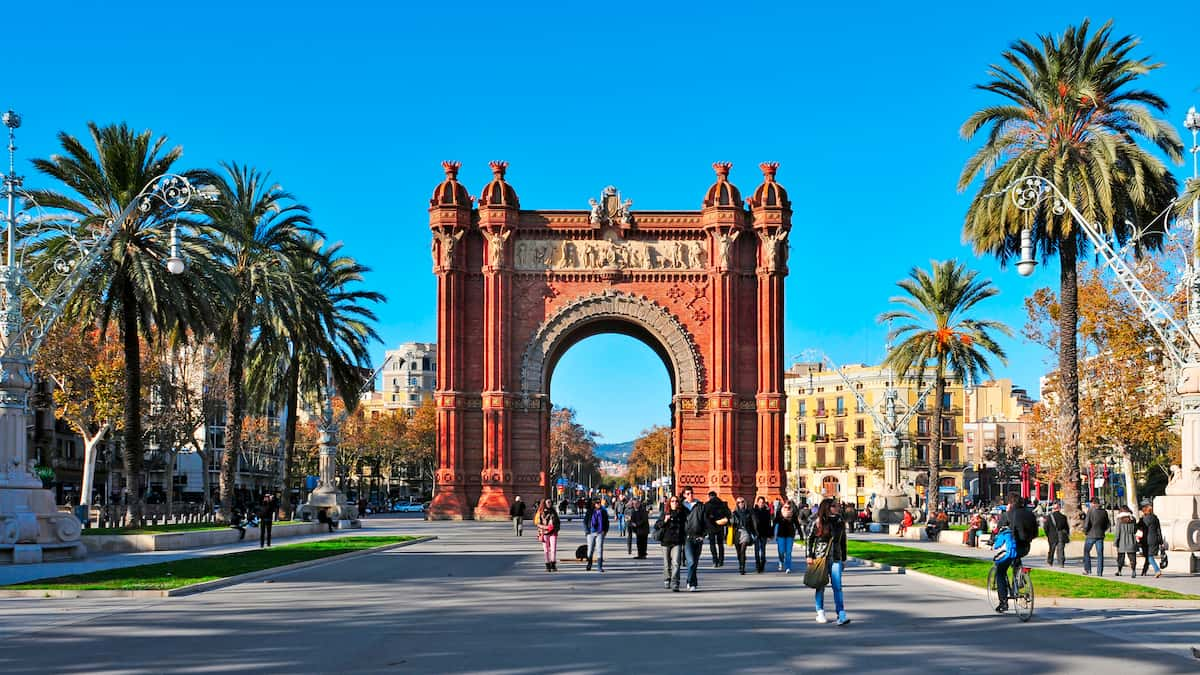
(164, 529)
(1075, 536)
(168, 575)
(974, 571)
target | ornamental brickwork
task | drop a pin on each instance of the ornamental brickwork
(517, 288)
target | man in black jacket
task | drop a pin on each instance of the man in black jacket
(1058, 533)
(716, 511)
(1095, 526)
(517, 513)
(1023, 525)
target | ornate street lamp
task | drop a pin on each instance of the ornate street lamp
(30, 522)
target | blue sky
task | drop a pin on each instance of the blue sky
(353, 105)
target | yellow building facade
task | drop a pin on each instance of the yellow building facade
(830, 435)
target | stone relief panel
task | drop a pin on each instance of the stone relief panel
(537, 255)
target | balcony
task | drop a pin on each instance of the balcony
(841, 413)
(822, 413)
(820, 438)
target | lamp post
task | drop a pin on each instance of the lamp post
(1179, 509)
(31, 525)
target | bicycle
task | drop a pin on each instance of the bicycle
(1020, 590)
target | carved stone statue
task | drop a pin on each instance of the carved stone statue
(448, 243)
(496, 246)
(772, 257)
(723, 242)
(624, 216)
(699, 255)
(597, 216)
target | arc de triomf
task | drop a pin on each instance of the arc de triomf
(517, 288)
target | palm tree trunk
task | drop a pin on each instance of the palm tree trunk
(235, 408)
(132, 454)
(289, 429)
(1068, 378)
(935, 449)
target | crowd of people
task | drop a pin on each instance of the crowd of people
(684, 524)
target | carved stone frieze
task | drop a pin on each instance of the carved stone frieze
(610, 252)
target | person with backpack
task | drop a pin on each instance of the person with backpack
(548, 523)
(762, 532)
(744, 531)
(695, 529)
(1095, 526)
(828, 540)
(670, 527)
(786, 527)
(1023, 528)
(716, 511)
(596, 528)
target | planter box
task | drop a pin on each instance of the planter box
(179, 541)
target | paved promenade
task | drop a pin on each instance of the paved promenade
(478, 600)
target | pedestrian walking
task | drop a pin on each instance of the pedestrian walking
(786, 526)
(744, 531)
(1125, 540)
(517, 513)
(671, 526)
(548, 523)
(716, 512)
(619, 508)
(695, 528)
(763, 530)
(266, 516)
(1152, 539)
(638, 525)
(828, 541)
(596, 527)
(1058, 533)
(1095, 527)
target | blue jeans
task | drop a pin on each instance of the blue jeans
(621, 523)
(1152, 562)
(691, 553)
(784, 547)
(760, 553)
(835, 580)
(1087, 555)
(595, 542)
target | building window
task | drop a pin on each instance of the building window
(840, 428)
(860, 482)
(859, 455)
(829, 486)
(948, 426)
(414, 398)
(412, 365)
(841, 405)
(820, 407)
(946, 401)
(803, 409)
(425, 363)
(820, 455)
(860, 428)
(921, 457)
(413, 382)
(802, 482)
(802, 456)
(821, 431)
(922, 426)
(801, 430)
(948, 454)
(839, 455)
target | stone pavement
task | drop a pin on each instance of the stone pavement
(1173, 577)
(478, 600)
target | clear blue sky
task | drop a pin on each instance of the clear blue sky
(353, 106)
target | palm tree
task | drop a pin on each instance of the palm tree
(130, 281)
(934, 329)
(261, 231)
(1073, 115)
(335, 328)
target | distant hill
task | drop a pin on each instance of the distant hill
(615, 452)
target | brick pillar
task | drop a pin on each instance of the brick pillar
(771, 215)
(449, 218)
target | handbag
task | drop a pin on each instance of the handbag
(817, 574)
(1162, 562)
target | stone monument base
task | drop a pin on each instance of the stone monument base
(333, 503)
(889, 508)
(1180, 518)
(33, 530)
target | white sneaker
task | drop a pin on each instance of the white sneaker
(821, 616)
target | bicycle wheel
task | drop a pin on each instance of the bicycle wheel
(1024, 585)
(993, 597)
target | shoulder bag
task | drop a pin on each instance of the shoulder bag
(817, 574)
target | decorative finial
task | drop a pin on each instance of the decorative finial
(769, 169)
(451, 168)
(722, 169)
(11, 119)
(499, 166)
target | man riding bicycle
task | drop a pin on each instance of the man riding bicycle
(1023, 525)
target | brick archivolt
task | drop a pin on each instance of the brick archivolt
(609, 305)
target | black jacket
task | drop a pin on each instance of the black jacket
(672, 526)
(786, 527)
(1096, 523)
(762, 522)
(715, 509)
(1152, 537)
(1022, 522)
(1057, 528)
(743, 521)
(639, 520)
(835, 531)
(517, 509)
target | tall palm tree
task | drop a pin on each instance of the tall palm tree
(335, 328)
(261, 231)
(934, 328)
(1074, 115)
(130, 281)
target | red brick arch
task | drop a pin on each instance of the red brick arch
(517, 288)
